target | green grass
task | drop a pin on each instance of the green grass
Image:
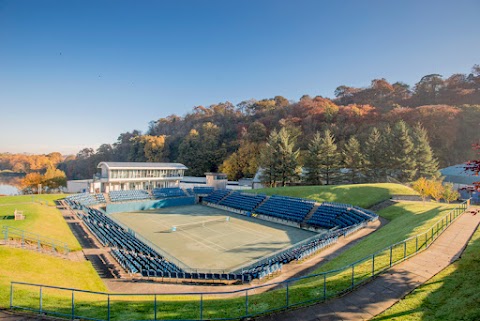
(453, 294)
(28, 266)
(45, 220)
(364, 195)
(406, 219)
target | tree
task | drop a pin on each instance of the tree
(279, 160)
(427, 164)
(422, 186)
(268, 161)
(374, 160)
(449, 193)
(54, 178)
(353, 160)
(32, 181)
(242, 163)
(323, 161)
(473, 166)
(403, 162)
(436, 189)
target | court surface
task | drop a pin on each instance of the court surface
(206, 239)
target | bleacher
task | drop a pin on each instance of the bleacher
(129, 195)
(168, 192)
(85, 199)
(132, 254)
(203, 190)
(216, 196)
(335, 215)
(286, 208)
(100, 198)
(242, 201)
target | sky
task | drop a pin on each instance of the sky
(76, 74)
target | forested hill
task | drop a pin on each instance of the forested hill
(232, 137)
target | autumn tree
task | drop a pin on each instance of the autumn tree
(449, 193)
(242, 163)
(422, 186)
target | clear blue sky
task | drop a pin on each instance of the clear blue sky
(76, 74)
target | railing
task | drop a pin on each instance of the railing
(232, 305)
(33, 241)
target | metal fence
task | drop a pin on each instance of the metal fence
(40, 243)
(88, 305)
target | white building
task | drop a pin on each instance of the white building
(115, 176)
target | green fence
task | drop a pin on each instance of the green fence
(80, 304)
(33, 241)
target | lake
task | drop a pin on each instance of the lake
(9, 190)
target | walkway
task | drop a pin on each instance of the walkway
(381, 293)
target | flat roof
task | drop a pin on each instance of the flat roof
(141, 165)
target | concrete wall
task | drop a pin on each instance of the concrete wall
(135, 206)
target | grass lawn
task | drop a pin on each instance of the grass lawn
(453, 294)
(45, 220)
(363, 195)
(29, 266)
(406, 219)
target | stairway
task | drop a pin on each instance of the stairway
(310, 214)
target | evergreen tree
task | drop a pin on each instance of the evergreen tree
(427, 164)
(323, 161)
(353, 160)
(403, 160)
(268, 161)
(279, 160)
(374, 156)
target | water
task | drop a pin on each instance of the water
(9, 190)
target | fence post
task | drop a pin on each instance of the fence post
(246, 302)
(287, 298)
(324, 286)
(41, 300)
(201, 306)
(404, 250)
(416, 244)
(391, 249)
(373, 265)
(11, 295)
(353, 275)
(108, 307)
(155, 307)
(73, 304)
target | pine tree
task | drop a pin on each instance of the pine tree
(403, 160)
(279, 160)
(374, 157)
(288, 164)
(427, 164)
(323, 160)
(353, 160)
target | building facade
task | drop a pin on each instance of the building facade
(116, 176)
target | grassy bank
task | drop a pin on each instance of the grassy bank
(364, 195)
(453, 294)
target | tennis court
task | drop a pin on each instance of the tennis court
(207, 238)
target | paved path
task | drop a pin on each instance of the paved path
(381, 293)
